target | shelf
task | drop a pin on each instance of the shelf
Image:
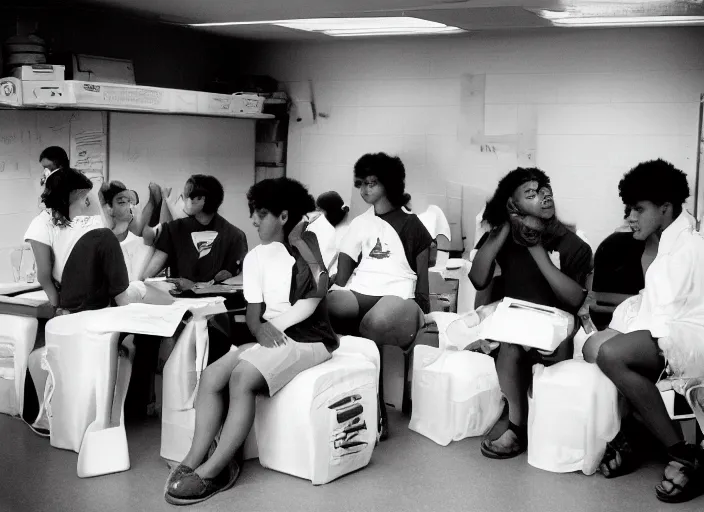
(77, 95)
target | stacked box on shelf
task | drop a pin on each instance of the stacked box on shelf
(47, 93)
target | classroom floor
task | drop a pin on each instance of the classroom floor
(407, 473)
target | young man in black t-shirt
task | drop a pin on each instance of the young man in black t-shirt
(541, 261)
(201, 248)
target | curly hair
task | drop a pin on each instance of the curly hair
(495, 213)
(279, 194)
(61, 189)
(656, 181)
(208, 187)
(390, 172)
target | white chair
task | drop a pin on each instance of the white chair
(456, 394)
(572, 414)
(17, 338)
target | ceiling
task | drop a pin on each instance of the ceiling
(471, 15)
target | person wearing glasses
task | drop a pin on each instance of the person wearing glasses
(381, 286)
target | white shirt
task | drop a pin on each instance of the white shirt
(137, 254)
(61, 239)
(671, 306)
(435, 222)
(266, 277)
(383, 269)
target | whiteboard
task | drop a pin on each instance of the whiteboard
(167, 149)
(23, 136)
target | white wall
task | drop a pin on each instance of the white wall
(588, 104)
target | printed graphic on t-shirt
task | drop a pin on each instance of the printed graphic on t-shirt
(203, 241)
(378, 252)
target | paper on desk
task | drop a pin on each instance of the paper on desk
(150, 319)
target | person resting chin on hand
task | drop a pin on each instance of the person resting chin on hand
(542, 261)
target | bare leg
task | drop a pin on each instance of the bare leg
(210, 406)
(245, 383)
(393, 321)
(633, 363)
(594, 342)
(344, 311)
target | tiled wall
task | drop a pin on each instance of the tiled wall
(589, 104)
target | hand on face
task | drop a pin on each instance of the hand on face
(526, 229)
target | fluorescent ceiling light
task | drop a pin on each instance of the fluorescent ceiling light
(570, 19)
(347, 27)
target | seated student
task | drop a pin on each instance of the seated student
(118, 207)
(661, 328)
(525, 232)
(383, 264)
(69, 239)
(285, 283)
(337, 214)
(201, 248)
(620, 263)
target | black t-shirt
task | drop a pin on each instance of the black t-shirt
(316, 328)
(413, 234)
(95, 272)
(199, 252)
(617, 265)
(522, 277)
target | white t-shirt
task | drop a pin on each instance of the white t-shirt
(60, 239)
(435, 222)
(137, 254)
(671, 306)
(383, 269)
(266, 277)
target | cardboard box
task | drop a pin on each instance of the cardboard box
(39, 72)
(246, 103)
(129, 97)
(90, 68)
(38, 92)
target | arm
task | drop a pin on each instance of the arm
(345, 267)
(422, 291)
(567, 290)
(253, 317)
(156, 264)
(42, 255)
(300, 311)
(484, 262)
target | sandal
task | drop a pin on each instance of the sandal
(691, 470)
(619, 448)
(521, 445)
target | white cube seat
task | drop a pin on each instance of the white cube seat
(17, 337)
(456, 394)
(572, 413)
(323, 424)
